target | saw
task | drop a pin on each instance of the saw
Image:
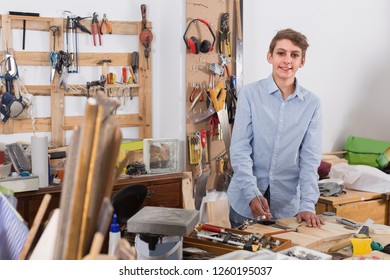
(218, 98)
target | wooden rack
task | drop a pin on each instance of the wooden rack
(58, 123)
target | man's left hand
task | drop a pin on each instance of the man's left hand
(310, 218)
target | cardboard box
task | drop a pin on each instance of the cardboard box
(220, 248)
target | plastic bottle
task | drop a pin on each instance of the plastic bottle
(114, 236)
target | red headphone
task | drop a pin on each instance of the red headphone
(193, 43)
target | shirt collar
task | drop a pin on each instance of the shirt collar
(272, 88)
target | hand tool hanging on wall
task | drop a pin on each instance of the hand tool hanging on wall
(72, 24)
(239, 45)
(106, 25)
(146, 35)
(24, 23)
(231, 98)
(218, 97)
(54, 58)
(134, 66)
(96, 29)
(55, 29)
(224, 34)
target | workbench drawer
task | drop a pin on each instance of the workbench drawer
(166, 195)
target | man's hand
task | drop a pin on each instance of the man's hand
(310, 218)
(259, 209)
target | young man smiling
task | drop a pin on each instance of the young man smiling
(276, 141)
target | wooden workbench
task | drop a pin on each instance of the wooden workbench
(319, 239)
(356, 205)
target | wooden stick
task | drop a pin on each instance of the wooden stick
(80, 181)
(32, 235)
(104, 219)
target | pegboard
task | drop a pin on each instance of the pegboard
(198, 74)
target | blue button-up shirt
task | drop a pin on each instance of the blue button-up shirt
(276, 143)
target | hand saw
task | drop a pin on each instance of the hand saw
(218, 98)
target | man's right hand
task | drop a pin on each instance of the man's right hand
(259, 209)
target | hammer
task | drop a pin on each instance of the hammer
(104, 63)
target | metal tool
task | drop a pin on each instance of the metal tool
(105, 23)
(72, 24)
(55, 29)
(224, 34)
(146, 36)
(54, 57)
(349, 223)
(218, 98)
(23, 14)
(216, 229)
(239, 45)
(62, 69)
(96, 30)
(10, 68)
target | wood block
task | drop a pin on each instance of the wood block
(218, 213)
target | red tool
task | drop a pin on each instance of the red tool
(124, 75)
(146, 36)
(96, 29)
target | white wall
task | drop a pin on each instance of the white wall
(168, 50)
(347, 65)
(348, 61)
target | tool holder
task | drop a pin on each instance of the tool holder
(58, 122)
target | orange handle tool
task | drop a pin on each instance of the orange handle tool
(124, 75)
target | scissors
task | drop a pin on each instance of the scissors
(62, 68)
(54, 58)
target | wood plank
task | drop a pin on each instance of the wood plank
(218, 213)
(296, 238)
(25, 125)
(348, 197)
(43, 23)
(57, 99)
(329, 231)
(40, 58)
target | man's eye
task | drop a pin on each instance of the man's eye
(280, 53)
(295, 55)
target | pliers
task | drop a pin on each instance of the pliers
(96, 29)
(107, 23)
(224, 34)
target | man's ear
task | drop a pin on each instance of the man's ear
(269, 57)
(302, 62)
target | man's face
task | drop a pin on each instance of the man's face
(285, 59)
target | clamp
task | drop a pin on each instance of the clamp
(224, 34)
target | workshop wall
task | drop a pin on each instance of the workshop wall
(167, 51)
(347, 65)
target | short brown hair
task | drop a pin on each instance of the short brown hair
(297, 38)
